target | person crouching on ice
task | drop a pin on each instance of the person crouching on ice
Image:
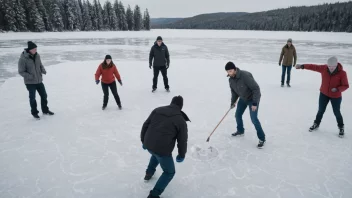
(334, 82)
(159, 133)
(109, 72)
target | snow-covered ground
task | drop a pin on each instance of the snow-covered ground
(83, 151)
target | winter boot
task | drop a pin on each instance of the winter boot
(342, 132)
(167, 89)
(154, 89)
(103, 108)
(282, 84)
(314, 127)
(36, 116)
(120, 107)
(147, 177)
(261, 144)
(49, 113)
(238, 134)
(288, 84)
(152, 196)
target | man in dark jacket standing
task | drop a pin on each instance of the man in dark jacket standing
(244, 87)
(30, 67)
(160, 53)
(288, 53)
(159, 133)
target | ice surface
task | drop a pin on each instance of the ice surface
(83, 151)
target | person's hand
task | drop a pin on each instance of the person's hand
(298, 66)
(120, 82)
(233, 106)
(334, 90)
(167, 66)
(150, 67)
(144, 147)
(179, 159)
(97, 81)
(279, 64)
(254, 107)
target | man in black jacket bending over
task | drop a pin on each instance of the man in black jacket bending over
(159, 133)
(161, 56)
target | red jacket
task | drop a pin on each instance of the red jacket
(108, 74)
(338, 79)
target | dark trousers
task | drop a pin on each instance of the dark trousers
(113, 89)
(284, 69)
(32, 89)
(241, 107)
(335, 103)
(168, 166)
(156, 75)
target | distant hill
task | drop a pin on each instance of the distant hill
(335, 17)
(163, 21)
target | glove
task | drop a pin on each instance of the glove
(299, 66)
(120, 82)
(144, 147)
(97, 81)
(167, 66)
(150, 66)
(279, 64)
(232, 106)
(334, 90)
(179, 159)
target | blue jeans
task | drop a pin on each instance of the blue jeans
(241, 108)
(335, 103)
(284, 69)
(168, 166)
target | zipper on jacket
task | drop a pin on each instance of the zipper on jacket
(35, 67)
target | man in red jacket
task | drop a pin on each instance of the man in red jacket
(334, 82)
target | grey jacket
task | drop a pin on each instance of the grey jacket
(30, 67)
(244, 86)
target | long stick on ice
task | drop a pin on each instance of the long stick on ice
(219, 123)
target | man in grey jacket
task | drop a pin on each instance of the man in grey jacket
(245, 88)
(30, 67)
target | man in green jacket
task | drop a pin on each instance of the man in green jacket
(288, 53)
(30, 67)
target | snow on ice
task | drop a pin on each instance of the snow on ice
(83, 151)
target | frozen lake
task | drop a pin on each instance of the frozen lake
(84, 152)
(248, 46)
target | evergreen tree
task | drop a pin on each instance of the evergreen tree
(43, 14)
(70, 17)
(21, 21)
(58, 24)
(87, 20)
(10, 16)
(137, 18)
(122, 17)
(118, 14)
(106, 17)
(146, 20)
(78, 16)
(34, 18)
(2, 15)
(98, 10)
(130, 19)
(113, 22)
(93, 15)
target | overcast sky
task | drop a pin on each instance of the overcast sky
(188, 8)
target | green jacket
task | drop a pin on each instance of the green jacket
(288, 53)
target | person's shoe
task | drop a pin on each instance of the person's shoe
(120, 107)
(282, 84)
(103, 108)
(288, 84)
(314, 127)
(342, 132)
(261, 144)
(154, 89)
(168, 89)
(36, 116)
(238, 134)
(49, 113)
(147, 177)
(152, 196)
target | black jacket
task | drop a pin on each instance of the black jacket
(163, 127)
(160, 54)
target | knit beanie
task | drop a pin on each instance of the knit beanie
(332, 62)
(108, 57)
(230, 65)
(159, 38)
(289, 40)
(177, 100)
(31, 45)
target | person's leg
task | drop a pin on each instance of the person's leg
(256, 122)
(336, 104)
(165, 78)
(105, 88)
(323, 102)
(283, 74)
(241, 107)
(43, 96)
(113, 89)
(168, 166)
(153, 163)
(33, 103)
(288, 74)
(155, 78)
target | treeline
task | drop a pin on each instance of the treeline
(335, 17)
(70, 15)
